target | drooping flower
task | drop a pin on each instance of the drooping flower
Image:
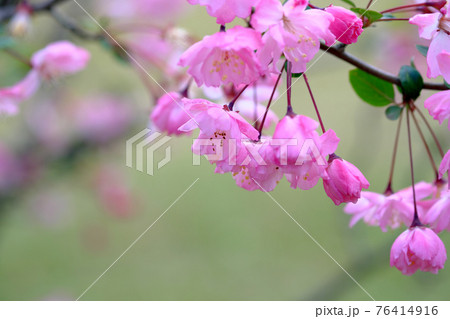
(344, 181)
(445, 165)
(226, 10)
(169, 114)
(10, 97)
(58, 59)
(256, 166)
(347, 26)
(221, 131)
(291, 30)
(300, 151)
(438, 216)
(388, 210)
(225, 57)
(418, 248)
(436, 27)
(438, 106)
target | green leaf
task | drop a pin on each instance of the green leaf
(371, 89)
(411, 82)
(446, 84)
(393, 112)
(351, 3)
(413, 64)
(422, 49)
(371, 15)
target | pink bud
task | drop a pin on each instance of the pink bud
(445, 165)
(347, 26)
(344, 182)
(418, 248)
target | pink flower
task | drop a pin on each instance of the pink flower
(291, 30)
(226, 10)
(344, 181)
(59, 58)
(225, 57)
(256, 167)
(301, 151)
(102, 118)
(445, 165)
(388, 210)
(169, 114)
(220, 135)
(347, 26)
(418, 248)
(10, 97)
(438, 106)
(438, 216)
(436, 27)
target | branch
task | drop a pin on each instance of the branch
(7, 11)
(74, 28)
(381, 74)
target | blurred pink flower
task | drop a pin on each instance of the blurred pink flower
(418, 248)
(291, 30)
(100, 119)
(225, 57)
(255, 113)
(438, 216)
(10, 97)
(438, 105)
(344, 182)
(169, 114)
(10, 170)
(389, 210)
(58, 59)
(436, 27)
(226, 10)
(347, 26)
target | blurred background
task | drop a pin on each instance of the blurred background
(69, 206)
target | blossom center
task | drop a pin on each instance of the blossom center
(444, 24)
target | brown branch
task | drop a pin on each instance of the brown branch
(381, 74)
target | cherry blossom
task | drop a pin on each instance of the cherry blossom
(436, 27)
(437, 106)
(347, 26)
(225, 57)
(169, 114)
(418, 248)
(291, 30)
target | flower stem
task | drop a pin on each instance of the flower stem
(433, 164)
(289, 111)
(416, 221)
(441, 151)
(435, 4)
(270, 102)
(314, 102)
(389, 190)
(231, 104)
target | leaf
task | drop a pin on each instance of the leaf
(371, 89)
(351, 3)
(411, 82)
(393, 112)
(371, 15)
(422, 49)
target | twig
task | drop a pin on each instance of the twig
(381, 74)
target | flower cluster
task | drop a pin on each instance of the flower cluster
(239, 69)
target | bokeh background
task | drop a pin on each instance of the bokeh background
(82, 208)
